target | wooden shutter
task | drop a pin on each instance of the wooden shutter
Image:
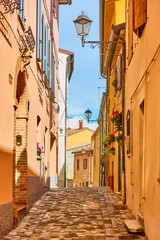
(39, 30)
(140, 13)
(50, 63)
(47, 50)
(130, 30)
(44, 44)
(22, 9)
(119, 72)
(53, 72)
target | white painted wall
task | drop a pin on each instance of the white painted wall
(61, 118)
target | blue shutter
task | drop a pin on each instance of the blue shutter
(47, 50)
(22, 9)
(40, 168)
(43, 169)
(50, 64)
(39, 31)
(44, 45)
(53, 74)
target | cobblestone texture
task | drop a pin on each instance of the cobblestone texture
(76, 213)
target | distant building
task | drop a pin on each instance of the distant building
(83, 167)
(66, 63)
(96, 157)
(76, 139)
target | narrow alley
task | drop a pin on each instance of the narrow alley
(76, 213)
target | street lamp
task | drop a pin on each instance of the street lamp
(83, 24)
(88, 114)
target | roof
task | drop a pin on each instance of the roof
(70, 61)
(87, 149)
(95, 131)
(70, 131)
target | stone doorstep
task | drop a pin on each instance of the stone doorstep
(134, 226)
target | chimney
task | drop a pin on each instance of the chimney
(80, 124)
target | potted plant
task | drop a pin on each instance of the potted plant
(112, 150)
(119, 139)
(108, 139)
(117, 118)
(39, 150)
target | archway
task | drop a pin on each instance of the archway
(20, 146)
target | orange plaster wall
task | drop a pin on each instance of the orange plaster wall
(6, 159)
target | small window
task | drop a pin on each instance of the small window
(128, 131)
(84, 163)
(77, 164)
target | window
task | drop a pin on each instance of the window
(21, 4)
(128, 131)
(140, 16)
(44, 44)
(77, 164)
(84, 163)
(47, 50)
(130, 30)
(39, 30)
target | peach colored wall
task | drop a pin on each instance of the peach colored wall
(9, 55)
(148, 90)
(79, 174)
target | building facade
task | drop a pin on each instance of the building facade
(29, 75)
(96, 157)
(76, 139)
(141, 113)
(66, 62)
(83, 167)
(112, 65)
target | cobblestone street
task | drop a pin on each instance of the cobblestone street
(76, 213)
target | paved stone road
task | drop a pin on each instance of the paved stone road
(75, 214)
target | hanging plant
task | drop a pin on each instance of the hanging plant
(114, 83)
(112, 151)
(116, 118)
(119, 139)
(108, 139)
(39, 149)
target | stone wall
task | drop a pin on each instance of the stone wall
(6, 218)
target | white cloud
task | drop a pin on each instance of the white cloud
(74, 123)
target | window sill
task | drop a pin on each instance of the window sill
(39, 158)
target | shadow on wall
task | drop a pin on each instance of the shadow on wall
(6, 201)
(61, 177)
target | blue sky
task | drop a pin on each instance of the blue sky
(85, 86)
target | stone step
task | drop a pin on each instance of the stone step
(134, 226)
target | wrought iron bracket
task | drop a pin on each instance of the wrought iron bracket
(9, 6)
(101, 44)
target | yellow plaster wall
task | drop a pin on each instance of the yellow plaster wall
(79, 139)
(96, 158)
(120, 12)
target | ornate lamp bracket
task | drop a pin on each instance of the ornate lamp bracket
(9, 6)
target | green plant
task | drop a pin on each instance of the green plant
(112, 151)
(114, 83)
(119, 139)
(116, 118)
(108, 139)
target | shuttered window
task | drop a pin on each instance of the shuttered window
(44, 44)
(47, 51)
(53, 74)
(50, 63)
(140, 13)
(130, 30)
(128, 131)
(84, 163)
(39, 31)
(21, 4)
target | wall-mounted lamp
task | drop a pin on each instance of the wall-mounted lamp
(61, 130)
(19, 140)
(83, 25)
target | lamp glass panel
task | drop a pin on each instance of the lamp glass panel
(87, 28)
(78, 28)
